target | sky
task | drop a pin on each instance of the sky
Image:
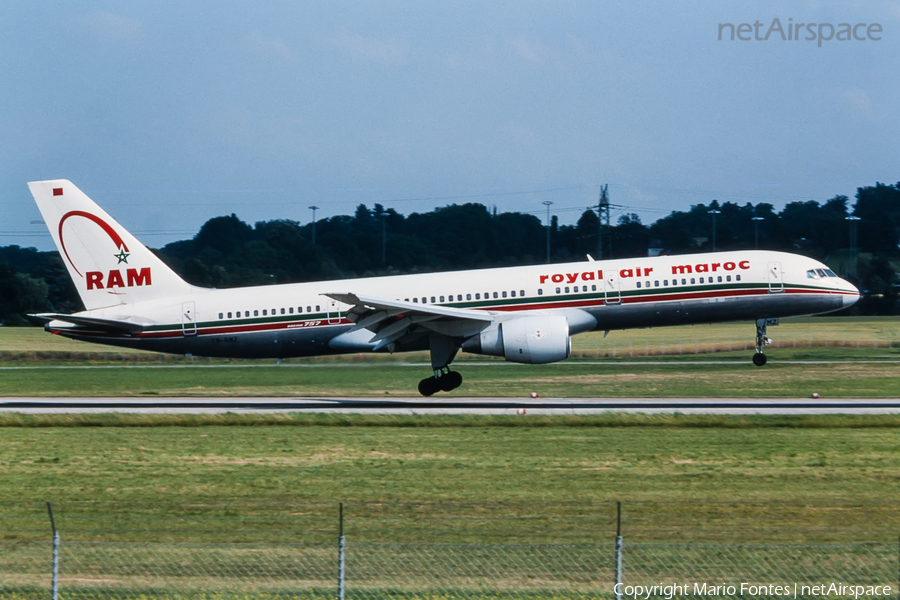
(170, 113)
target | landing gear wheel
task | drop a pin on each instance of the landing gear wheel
(429, 386)
(759, 359)
(450, 381)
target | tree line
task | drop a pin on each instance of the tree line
(228, 252)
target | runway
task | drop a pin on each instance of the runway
(452, 405)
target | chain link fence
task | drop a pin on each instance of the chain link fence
(424, 552)
(114, 570)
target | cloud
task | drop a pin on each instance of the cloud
(389, 52)
(859, 104)
(111, 27)
(270, 46)
(533, 52)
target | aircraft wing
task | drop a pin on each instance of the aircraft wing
(93, 323)
(395, 321)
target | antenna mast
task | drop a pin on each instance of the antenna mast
(603, 213)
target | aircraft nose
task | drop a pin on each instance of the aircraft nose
(852, 296)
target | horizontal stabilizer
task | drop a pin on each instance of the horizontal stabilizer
(93, 323)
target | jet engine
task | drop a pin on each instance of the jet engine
(532, 340)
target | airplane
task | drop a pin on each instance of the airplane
(525, 314)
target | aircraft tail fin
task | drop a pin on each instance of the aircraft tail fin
(109, 266)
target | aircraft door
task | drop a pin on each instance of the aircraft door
(611, 292)
(188, 319)
(334, 315)
(776, 277)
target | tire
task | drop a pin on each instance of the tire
(759, 359)
(450, 381)
(428, 386)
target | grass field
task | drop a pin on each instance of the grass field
(868, 344)
(473, 479)
(771, 479)
(852, 380)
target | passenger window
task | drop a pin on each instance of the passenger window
(728, 278)
(737, 277)
(522, 293)
(646, 284)
(495, 294)
(229, 315)
(541, 292)
(504, 294)
(513, 293)
(416, 300)
(693, 281)
(594, 287)
(424, 300)
(656, 284)
(309, 309)
(432, 299)
(220, 315)
(557, 290)
(478, 296)
(720, 279)
(265, 312)
(684, 282)
(255, 313)
(246, 313)
(468, 296)
(442, 298)
(291, 310)
(275, 312)
(639, 284)
(282, 311)
(459, 297)
(567, 289)
(701, 280)
(318, 308)
(666, 282)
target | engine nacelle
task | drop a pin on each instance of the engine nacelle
(532, 340)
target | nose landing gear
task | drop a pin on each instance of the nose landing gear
(444, 380)
(759, 359)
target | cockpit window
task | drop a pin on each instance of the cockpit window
(820, 273)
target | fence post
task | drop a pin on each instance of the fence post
(340, 551)
(54, 589)
(618, 588)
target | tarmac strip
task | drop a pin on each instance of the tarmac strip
(450, 405)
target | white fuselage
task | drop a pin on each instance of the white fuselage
(302, 320)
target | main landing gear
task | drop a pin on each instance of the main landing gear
(444, 380)
(759, 359)
(442, 349)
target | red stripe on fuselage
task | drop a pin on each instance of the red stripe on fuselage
(545, 305)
